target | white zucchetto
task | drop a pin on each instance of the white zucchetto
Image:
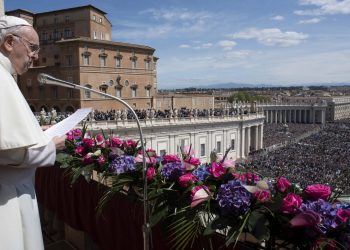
(12, 21)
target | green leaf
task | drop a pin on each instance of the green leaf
(158, 215)
(218, 223)
(258, 225)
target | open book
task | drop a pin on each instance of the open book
(67, 124)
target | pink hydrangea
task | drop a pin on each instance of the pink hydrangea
(151, 172)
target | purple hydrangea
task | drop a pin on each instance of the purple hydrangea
(233, 198)
(172, 170)
(326, 210)
(201, 173)
(122, 164)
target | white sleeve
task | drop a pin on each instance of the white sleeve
(31, 157)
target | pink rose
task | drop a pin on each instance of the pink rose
(130, 143)
(343, 215)
(101, 160)
(283, 184)
(88, 142)
(151, 172)
(216, 170)
(77, 132)
(70, 136)
(291, 203)
(80, 150)
(100, 140)
(318, 191)
(262, 196)
(191, 163)
(246, 177)
(185, 179)
(199, 194)
(87, 159)
(116, 142)
(171, 158)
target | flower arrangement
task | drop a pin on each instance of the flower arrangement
(195, 198)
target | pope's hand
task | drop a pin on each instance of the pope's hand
(59, 142)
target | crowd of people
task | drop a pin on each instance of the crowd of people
(165, 114)
(322, 157)
(276, 133)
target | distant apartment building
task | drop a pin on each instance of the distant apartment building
(76, 46)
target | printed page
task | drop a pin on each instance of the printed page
(67, 124)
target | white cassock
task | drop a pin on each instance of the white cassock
(23, 148)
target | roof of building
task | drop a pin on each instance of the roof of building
(121, 44)
(60, 10)
(11, 12)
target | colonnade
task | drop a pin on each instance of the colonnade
(294, 114)
(251, 139)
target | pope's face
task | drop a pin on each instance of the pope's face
(25, 49)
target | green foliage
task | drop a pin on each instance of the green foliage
(243, 96)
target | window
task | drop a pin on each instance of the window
(100, 20)
(67, 33)
(118, 62)
(86, 59)
(42, 92)
(218, 146)
(54, 92)
(69, 60)
(67, 19)
(147, 65)
(87, 93)
(118, 92)
(133, 92)
(94, 17)
(133, 64)
(148, 92)
(70, 93)
(102, 61)
(95, 35)
(56, 34)
(232, 144)
(162, 152)
(202, 149)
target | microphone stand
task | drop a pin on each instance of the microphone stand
(146, 230)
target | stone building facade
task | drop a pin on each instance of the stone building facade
(76, 46)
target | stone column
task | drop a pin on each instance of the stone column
(300, 121)
(248, 138)
(289, 115)
(275, 116)
(256, 137)
(242, 140)
(294, 116)
(260, 134)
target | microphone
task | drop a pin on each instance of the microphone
(47, 79)
(50, 80)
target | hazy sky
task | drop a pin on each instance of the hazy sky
(219, 41)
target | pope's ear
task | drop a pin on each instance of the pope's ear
(8, 42)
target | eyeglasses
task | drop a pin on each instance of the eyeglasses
(33, 48)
